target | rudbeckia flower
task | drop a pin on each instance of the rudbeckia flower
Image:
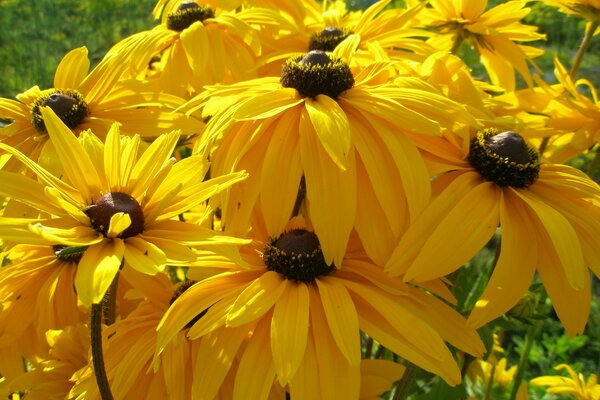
(492, 33)
(87, 100)
(112, 203)
(550, 220)
(197, 45)
(301, 319)
(587, 9)
(338, 134)
(36, 288)
(575, 385)
(50, 378)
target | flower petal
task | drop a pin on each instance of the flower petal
(72, 69)
(97, 269)
(144, 256)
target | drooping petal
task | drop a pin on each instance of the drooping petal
(289, 331)
(97, 269)
(516, 265)
(144, 256)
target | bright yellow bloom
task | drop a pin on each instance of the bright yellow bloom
(50, 378)
(87, 100)
(492, 33)
(197, 45)
(114, 204)
(345, 131)
(302, 319)
(587, 9)
(575, 386)
(549, 215)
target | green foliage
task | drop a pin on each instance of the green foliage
(34, 36)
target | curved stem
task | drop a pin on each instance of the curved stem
(585, 43)
(529, 339)
(403, 387)
(97, 356)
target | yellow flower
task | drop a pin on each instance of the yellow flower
(343, 133)
(87, 100)
(197, 45)
(50, 378)
(550, 220)
(492, 33)
(36, 289)
(576, 385)
(302, 319)
(587, 9)
(114, 204)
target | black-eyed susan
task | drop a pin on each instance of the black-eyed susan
(301, 319)
(576, 385)
(550, 220)
(338, 134)
(50, 377)
(587, 9)
(196, 44)
(114, 204)
(37, 291)
(87, 100)
(495, 34)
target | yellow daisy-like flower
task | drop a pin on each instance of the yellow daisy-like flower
(112, 203)
(492, 33)
(550, 220)
(37, 286)
(587, 9)
(87, 100)
(573, 118)
(340, 135)
(302, 319)
(197, 45)
(576, 386)
(50, 378)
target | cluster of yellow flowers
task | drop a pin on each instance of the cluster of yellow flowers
(248, 199)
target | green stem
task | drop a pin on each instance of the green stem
(490, 384)
(532, 334)
(97, 356)
(369, 348)
(585, 43)
(403, 388)
(458, 41)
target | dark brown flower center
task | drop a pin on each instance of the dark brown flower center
(297, 255)
(316, 73)
(68, 105)
(108, 205)
(327, 39)
(186, 14)
(504, 158)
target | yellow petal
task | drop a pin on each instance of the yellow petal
(341, 318)
(28, 191)
(289, 331)
(267, 105)
(72, 69)
(97, 269)
(303, 385)
(77, 165)
(144, 256)
(112, 157)
(66, 232)
(331, 126)
(118, 223)
(516, 265)
(257, 299)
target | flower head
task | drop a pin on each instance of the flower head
(113, 203)
(575, 385)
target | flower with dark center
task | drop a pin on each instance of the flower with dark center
(327, 39)
(69, 253)
(68, 105)
(186, 14)
(108, 205)
(316, 73)
(504, 158)
(297, 255)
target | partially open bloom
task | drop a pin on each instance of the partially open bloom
(302, 318)
(575, 385)
(493, 33)
(87, 100)
(112, 204)
(587, 9)
(550, 220)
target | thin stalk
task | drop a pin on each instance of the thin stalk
(369, 348)
(490, 384)
(585, 43)
(403, 388)
(458, 41)
(109, 302)
(532, 334)
(97, 356)
(299, 197)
